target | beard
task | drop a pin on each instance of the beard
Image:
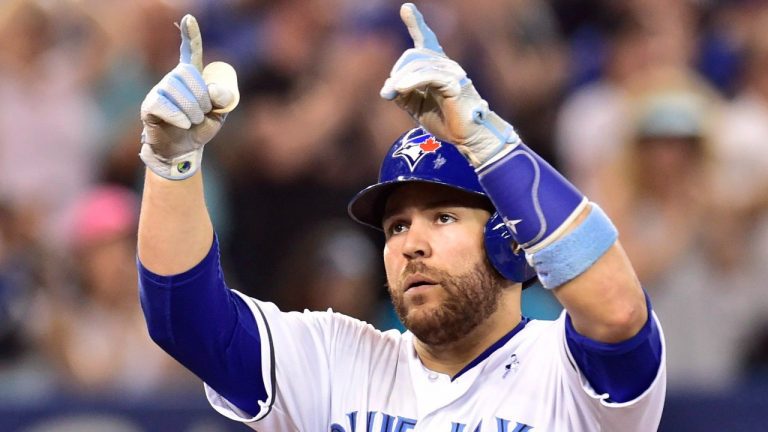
(470, 299)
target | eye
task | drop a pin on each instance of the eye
(445, 218)
(396, 228)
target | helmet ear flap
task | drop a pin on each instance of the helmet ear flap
(503, 253)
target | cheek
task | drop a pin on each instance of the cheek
(459, 261)
(390, 263)
(462, 250)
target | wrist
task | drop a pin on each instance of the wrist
(177, 167)
(576, 250)
(496, 137)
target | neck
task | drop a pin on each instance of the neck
(452, 357)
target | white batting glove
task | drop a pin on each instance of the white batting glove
(186, 108)
(436, 91)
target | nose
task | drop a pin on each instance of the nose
(417, 244)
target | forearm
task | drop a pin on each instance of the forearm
(570, 242)
(606, 302)
(175, 230)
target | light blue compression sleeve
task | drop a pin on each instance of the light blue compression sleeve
(574, 253)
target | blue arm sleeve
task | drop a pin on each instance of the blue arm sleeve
(209, 329)
(624, 370)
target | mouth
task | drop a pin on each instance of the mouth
(417, 281)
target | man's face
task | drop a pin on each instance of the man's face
(441, 283)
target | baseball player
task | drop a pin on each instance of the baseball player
(470, 215)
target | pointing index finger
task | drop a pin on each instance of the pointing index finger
(422, 35)
(191, 50)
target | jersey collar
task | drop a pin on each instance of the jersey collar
(491, 349)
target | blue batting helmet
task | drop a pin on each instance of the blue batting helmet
(417, 156)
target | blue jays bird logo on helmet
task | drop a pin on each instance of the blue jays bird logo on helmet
(415, 145)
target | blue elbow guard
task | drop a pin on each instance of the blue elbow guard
(534, 200)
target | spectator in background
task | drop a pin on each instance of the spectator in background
(726, 28)
(48, 121)
(660, 186)
(661, 194)
(95, 333)
(335, 265)
(740, 144)
(25, 271)
(49, 128)
(315, 85)
(740, 141)
(135, 59)
(326, 87)
(515, 54)
(642, 45)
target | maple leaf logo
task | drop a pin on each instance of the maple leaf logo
(415, 146)
(430, 145)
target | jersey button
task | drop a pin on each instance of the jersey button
(433, 377)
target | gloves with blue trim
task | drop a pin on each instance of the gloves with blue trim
(437, 93)
(186, 109)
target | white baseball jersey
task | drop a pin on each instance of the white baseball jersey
(328, 372)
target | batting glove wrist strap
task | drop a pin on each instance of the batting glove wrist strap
(497, 137)
(535, 201)
(176, 168)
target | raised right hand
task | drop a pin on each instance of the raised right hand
(186, 109)
(437, 93)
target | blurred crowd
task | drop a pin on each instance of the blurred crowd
(656, 109)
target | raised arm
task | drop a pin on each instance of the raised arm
(180, 115)
(189, 310)
(569, 241)
(589, 274)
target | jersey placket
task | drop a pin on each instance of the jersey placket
(435, 391)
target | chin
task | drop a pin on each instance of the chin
(425, 320)
(422, 312)
(424, 303)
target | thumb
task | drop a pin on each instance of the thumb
(221, 79)
(191, 50)
(422, 35)
(388, 91)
